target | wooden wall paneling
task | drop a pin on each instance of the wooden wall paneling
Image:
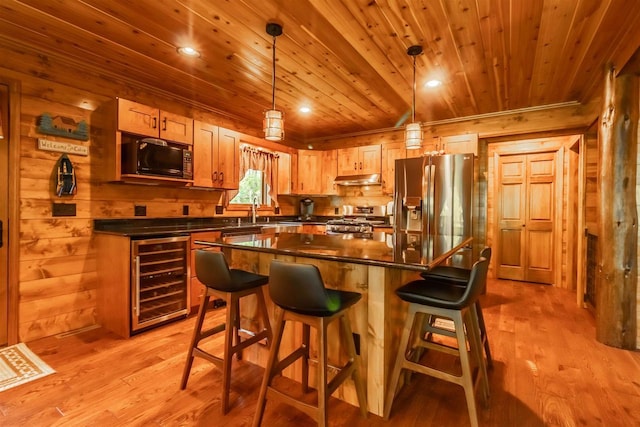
(40, 289)
(573, 208)
(47, 268)
(573, 119)
(581, 245)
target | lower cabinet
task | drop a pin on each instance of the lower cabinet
(196, 288)
(141, 282)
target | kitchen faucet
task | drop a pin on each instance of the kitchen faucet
(253, 209)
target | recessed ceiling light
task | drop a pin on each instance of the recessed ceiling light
(305, 109)
(433, 83)
(188, 51)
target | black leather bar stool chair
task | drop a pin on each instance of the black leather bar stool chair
(231, 285)
(457, 276)
(299, 291)
(431, 298)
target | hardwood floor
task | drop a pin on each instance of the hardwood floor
(548, 370)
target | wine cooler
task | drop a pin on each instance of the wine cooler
(159, 279)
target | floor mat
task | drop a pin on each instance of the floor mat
(19, 365)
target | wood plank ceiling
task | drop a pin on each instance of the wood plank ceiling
(346, 59)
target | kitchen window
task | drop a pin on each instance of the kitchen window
(252, 187)
(258, 179)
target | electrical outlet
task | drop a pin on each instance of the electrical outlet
(63, 209)
(336, 211)
(277, 210)
(140, 210)
(185, 210)
(219, 210)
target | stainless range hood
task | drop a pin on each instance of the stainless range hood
(367, 179)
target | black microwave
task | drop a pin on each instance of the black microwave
(156, 157)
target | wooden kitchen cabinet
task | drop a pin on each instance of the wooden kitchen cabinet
(329, 172)
(216, 154)
(148, 121)
(120, 120)
(359, 160)
(460, 144)
(196, 288)
(390, 153)
(285, 178)
(309, 172)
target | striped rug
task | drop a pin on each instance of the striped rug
(19, 365)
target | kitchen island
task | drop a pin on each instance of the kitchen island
(373, 264)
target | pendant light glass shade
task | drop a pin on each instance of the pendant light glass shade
(413, 136)
(413, 131)
(273, 123)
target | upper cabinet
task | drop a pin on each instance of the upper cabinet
(215, 153)
(309, 172)
(121, 126)
(148, 121)
(390, 153)
(329, 172)
(460, 144)
(228, 159)
(286, 174)
(359, 160)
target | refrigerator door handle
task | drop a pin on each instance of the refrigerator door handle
(431, 179)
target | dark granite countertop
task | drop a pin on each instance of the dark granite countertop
(399, 250)
(146, 227)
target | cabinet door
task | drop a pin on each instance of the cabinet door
(369, 159)
(460, 144)
(294, 173)
(228, 155)
(309, 170)
(284, 173)
(348, 161)
(204, 139)
(137, 118)
(390, 153)
(329, 172)
(196, 288)
(174, 127)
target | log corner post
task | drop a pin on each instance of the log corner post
(617, 273)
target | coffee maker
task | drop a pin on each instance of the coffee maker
(306, 209)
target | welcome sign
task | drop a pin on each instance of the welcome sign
(62, 147)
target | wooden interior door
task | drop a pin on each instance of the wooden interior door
(526, 211)
(4, 215)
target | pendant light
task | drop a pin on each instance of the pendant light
(413, 131)
(273, 122)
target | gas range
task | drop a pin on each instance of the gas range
(353, 225)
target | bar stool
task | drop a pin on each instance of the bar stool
(457, 276)
(299, 291)
(445, 301)
(231, 285)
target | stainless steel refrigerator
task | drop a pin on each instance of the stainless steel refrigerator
(433, 195)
